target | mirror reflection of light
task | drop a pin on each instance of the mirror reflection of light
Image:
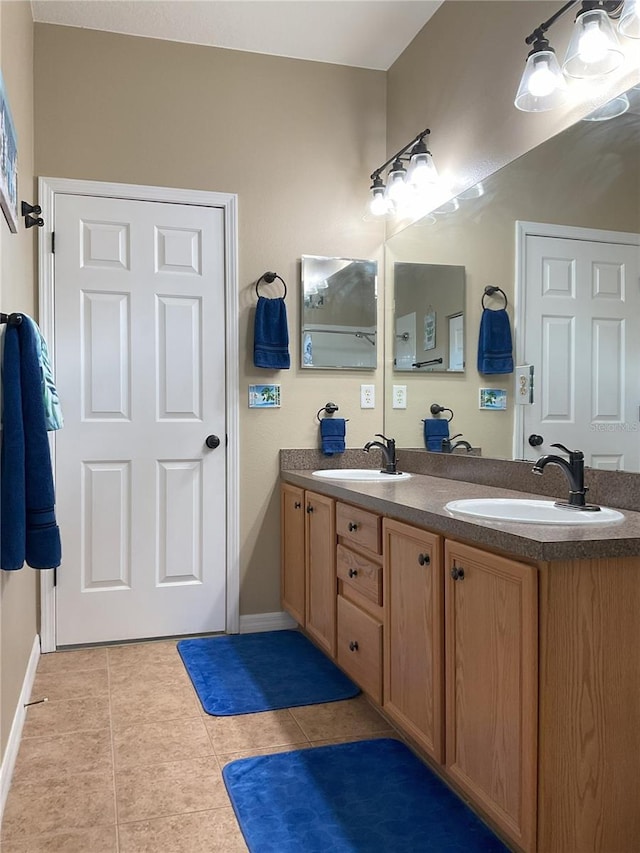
(612, 109)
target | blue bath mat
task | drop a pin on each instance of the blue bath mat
(373, 796)
(245, 673)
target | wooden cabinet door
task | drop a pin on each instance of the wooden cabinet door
(491, 685)
(413, 633)
(292, 582)
(321, 583)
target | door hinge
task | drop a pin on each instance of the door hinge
(53, 242)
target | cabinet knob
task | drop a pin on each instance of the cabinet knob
(353, 646)
(297, 505)
(457, 573)
(352, 526)
(424, 559)
(353, 573)
(309, 508)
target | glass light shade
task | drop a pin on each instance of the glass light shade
(397, 188)
(422, 170)
(629, 23)
(594, 48)
(378, 205)
(542, 86)
(612, 109)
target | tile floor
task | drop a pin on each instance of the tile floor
(122, 759)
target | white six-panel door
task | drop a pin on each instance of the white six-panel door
(140, 368)
(580, 331)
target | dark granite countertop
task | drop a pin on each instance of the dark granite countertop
(421, 501)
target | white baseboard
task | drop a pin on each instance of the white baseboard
(266, 622)
(15, 735)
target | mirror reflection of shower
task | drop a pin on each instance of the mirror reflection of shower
(338, 328)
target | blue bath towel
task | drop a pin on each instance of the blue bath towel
(494, 342)
(271, 335)
(435, 429)
(29, 532)
(332, 434)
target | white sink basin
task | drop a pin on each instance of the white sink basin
(362, 475)
(530, 511)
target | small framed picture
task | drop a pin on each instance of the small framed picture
(493, 398)
(264, 396)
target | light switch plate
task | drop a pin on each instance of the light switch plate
(367, 396)
(399, 396)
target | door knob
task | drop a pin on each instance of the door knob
(535, 440)
(212, 441)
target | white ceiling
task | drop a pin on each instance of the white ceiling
(362, 33)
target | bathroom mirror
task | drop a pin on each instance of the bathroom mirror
(586, 177)
(428, 317)
(339, 311)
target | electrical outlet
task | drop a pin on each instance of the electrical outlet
(367, 396)
(399, 396)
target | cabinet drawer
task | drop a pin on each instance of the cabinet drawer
(359, 526)
(361, 574)
(360, 647)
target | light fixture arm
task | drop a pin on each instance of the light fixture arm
(419, 138)
(611, 7)
(538, 33)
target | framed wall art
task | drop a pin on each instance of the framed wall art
(8, 162)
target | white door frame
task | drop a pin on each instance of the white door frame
(542, 229)
(48, 189)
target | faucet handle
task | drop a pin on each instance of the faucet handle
(573, 454)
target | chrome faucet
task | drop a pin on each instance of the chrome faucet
(388, 451)
(447, 447)
(573, 471)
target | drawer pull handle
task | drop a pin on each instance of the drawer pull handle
(297, 505)
(309, 508)
(457, 574)
(353, 573)
(424, 559)
(352, 527)
(353, 646)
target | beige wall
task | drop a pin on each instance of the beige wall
(18, 593)
(295, 140)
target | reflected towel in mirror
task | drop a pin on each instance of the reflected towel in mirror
(435, 430)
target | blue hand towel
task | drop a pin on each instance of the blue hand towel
(494, 342)
(435, 429)
(28, 526)
(332, 433)
(271, 336)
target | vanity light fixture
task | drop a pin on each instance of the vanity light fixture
(404, 185)
(594, 51)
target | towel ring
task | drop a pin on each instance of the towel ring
(329, 408)
(435, 409)
(270, 277)
(491, 290)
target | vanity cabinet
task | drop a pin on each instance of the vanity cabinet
(308, 562)
(491, 674)
(519, 681)
(360, 597)
(413, 647)
(320, 571)
(292, 538)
